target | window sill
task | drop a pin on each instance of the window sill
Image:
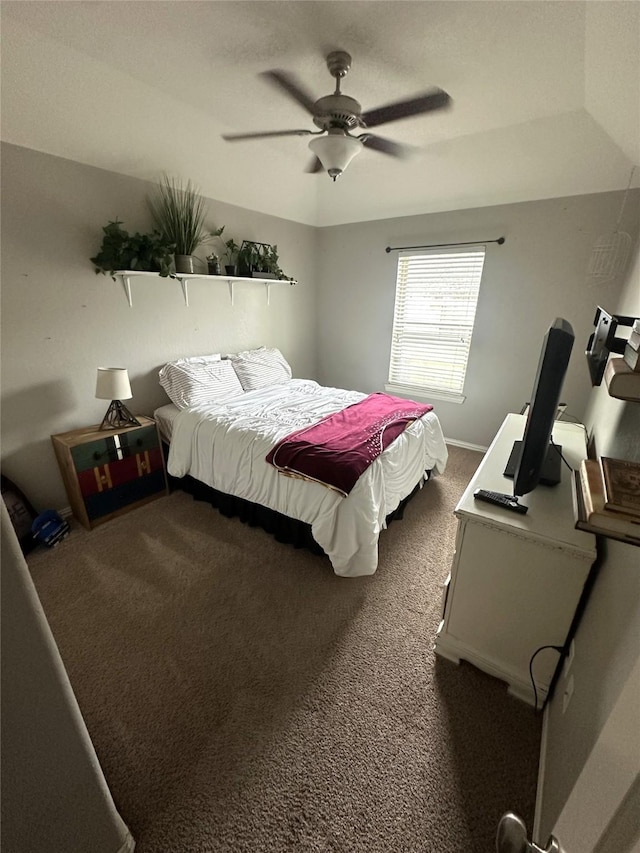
(424, 394)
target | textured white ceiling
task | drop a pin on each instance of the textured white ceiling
(546, 96)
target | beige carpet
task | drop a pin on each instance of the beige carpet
(241, 697)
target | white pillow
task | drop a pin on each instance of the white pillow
(257, 368)
(189, 381)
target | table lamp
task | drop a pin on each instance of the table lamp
(113, 384)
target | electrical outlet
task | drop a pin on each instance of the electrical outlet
(569, 658)
(568, 693)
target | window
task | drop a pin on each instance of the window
(436, 298)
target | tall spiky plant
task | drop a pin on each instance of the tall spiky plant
(179, 212)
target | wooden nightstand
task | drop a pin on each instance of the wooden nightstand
(109, 472)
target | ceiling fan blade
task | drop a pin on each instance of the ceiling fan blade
(291, 86)
(386, 146)
(434, 100)
(314, 166)
(261, 134)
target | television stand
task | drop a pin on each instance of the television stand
(551, 467)
(515, 579)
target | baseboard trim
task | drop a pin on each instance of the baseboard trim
(542, 764)
(466, 445)
(65, 512)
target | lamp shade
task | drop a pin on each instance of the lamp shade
(113, 384)
(335, 151)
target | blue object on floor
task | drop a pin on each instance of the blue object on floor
(49, 528)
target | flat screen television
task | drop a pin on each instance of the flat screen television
(535, 459)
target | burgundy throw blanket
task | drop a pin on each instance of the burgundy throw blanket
(337, 449)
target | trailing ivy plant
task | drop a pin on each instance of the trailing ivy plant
(123, 251)
(270, 262)
(260, 258)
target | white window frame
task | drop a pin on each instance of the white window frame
(451, 280)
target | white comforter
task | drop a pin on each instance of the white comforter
(224, 445)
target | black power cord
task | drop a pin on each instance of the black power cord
(571, 420)
(559, 649)
(559, 452)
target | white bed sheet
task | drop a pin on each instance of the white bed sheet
(224, 444)
(164, 417)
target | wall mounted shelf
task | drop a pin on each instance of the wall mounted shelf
(184, 279)
(621, 380)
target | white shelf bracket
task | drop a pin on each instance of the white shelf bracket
(268, 287)
(230, 283)
(185, 290)
(126, 283)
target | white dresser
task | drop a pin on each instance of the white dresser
(516, 579)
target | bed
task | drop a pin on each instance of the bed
(223, 444)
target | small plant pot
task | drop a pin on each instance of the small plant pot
(213, 267)
(231, 269)
(185, 263)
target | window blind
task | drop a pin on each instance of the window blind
(435, 308)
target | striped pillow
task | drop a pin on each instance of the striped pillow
(190, 381)
(257, 368)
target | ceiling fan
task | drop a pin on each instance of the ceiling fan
(337, 115)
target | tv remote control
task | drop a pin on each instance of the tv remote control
(498, 498)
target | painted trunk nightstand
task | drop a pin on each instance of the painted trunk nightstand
(109, 472)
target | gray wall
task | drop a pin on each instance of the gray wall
(607, 643)
(536, 276)
(60, 320)
(57, 798)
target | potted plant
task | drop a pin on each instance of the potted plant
(123, 251)
(213, 264)
(260, 260)
(231, 254)
(248, 258)
(270, 266)
(179, 212)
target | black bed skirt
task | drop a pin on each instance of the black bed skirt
(284, 529)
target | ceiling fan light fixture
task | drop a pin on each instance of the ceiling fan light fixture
(335, 151)
(337, 115)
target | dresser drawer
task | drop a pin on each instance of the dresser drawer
(112, 448)
(111, 500)
(101, 478)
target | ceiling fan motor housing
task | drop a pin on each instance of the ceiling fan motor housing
(337, 111)
(338, 63)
